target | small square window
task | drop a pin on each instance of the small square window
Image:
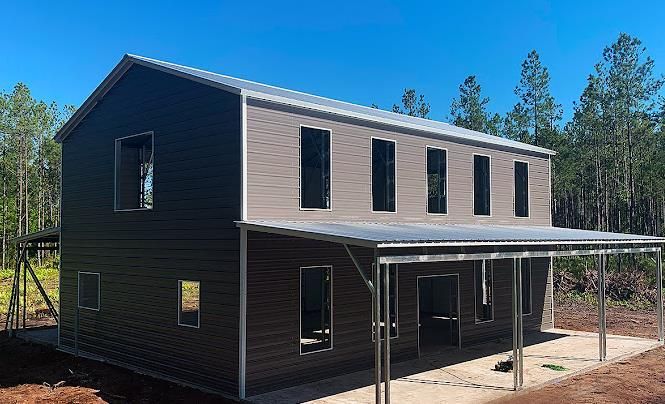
(189, 310)
(134, 172)
(88, 290)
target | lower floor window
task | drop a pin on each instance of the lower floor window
(189, 293)
(526, 286)
(392, 286)
(315, 309)
(88, 285)
(484, 290)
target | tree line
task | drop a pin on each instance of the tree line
(29, 166)
(609, 173)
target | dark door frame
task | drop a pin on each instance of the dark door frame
(459, 315)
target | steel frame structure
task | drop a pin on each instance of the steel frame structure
(518, 329)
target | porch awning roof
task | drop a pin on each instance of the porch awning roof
(391, 235)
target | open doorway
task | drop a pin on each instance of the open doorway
(438, 313)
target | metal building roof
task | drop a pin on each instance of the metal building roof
(383, 235)
(295, 98)
(49, 235)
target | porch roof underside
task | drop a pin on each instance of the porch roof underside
(396, 235)
(50, 235)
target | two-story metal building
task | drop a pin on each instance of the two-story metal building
(244, 238)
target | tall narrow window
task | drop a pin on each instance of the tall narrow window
(481, 185)
(393, 287)
(383, 175)
(315, 309)
(314, 168)
(437, 181)
(521, 171)
(526, 286)
(189, 302)
(484, 290)
(89, 292)
(134, 172)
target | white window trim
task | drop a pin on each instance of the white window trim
(115, 172)
(473, 184)
(475, 291)
(530, 287)
(396, 304)
(427, 183)
(300, 310)
(371, 179)
(528, 191)
(99, 291)
(300, 168)
(198, 318)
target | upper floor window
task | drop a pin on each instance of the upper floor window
(521, 173)
(314, 168)
(134, 172)
(383, 175)
(437, 180)
(481, 185)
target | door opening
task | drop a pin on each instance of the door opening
(438, 313)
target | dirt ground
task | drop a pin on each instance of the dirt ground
(35, 374)
(640, 379)
(32, 373)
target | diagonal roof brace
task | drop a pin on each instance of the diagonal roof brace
(368, 282)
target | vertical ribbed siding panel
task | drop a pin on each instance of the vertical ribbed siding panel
(141, 255)
(273, 262)
(273, 177)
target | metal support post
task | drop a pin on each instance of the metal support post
(515, 326)
(520, 322)
(386, 332)
(659, 293)
(377, 332)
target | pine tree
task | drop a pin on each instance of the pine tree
(469, 110)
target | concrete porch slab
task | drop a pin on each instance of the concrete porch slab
(466, 376)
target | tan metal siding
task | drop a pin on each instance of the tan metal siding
(273, 359)
(273, 172)
(141, 255)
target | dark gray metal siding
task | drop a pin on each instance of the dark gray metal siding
(273, 359)
(190, 234)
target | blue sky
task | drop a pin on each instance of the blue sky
(359, 51)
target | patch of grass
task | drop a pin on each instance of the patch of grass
(591, 299)
(557, 368)
(48, 277)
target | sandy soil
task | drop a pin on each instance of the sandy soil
(635, 380)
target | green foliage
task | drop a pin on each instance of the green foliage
(470, 109)
(412, 104)
(48, 276)
(557, 368)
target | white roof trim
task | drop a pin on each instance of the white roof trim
(297, 99)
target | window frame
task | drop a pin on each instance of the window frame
(475, 291)
(473, 184)
(530, 264)
(528, 190)
(300, 310)
(396, 304)
(99, 290)
(198, 317)
(427, 182)
(300, 168)
(371, 175)
(115, 172)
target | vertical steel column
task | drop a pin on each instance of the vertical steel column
(515, 326)
(377, 331)
(519, 322)
(18, 292)
(386, 332)
(603, 267)
(599, 266)
(659, 293)
(25, 289)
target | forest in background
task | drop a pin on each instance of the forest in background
(609, 173)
